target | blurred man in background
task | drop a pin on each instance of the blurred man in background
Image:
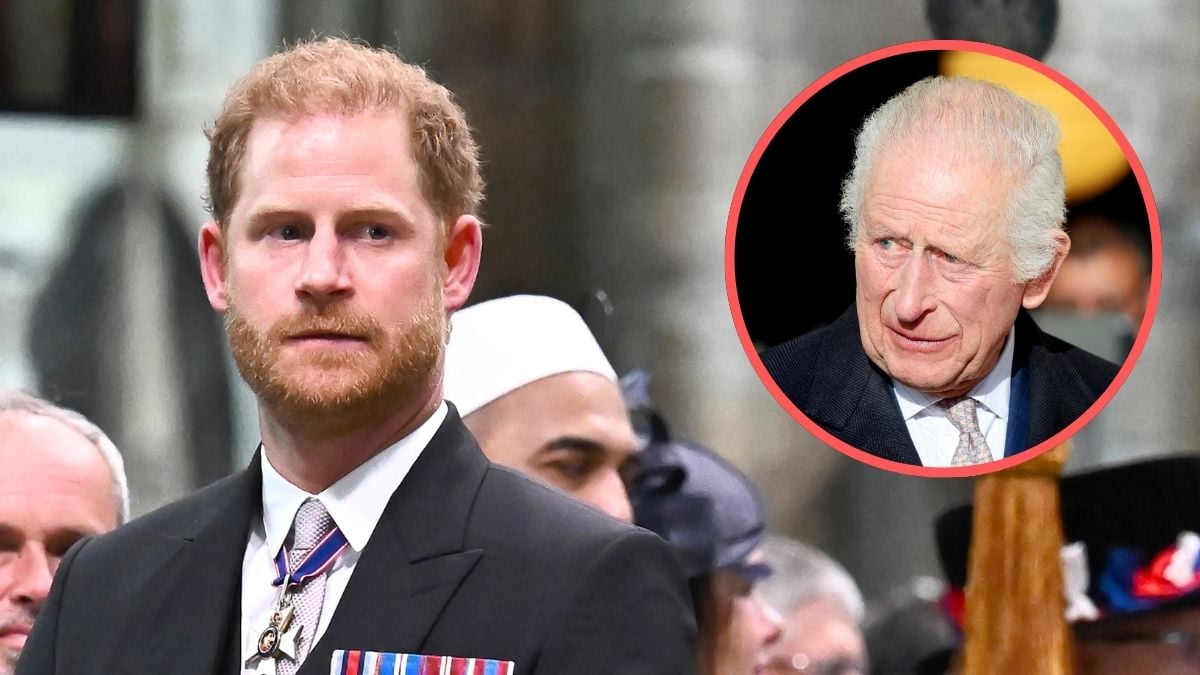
(533, 385)
(822, 609)
(909, 632)
(61, 479)
(1108, 270)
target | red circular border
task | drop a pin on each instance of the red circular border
(740, 323)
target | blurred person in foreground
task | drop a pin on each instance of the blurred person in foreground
(1131, 566)
(822, 609)
(536, 390)
(61, 479)
(713, 516)
(369, 532)
(955, 208)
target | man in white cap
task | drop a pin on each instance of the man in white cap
(536, 390)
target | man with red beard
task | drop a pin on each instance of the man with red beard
(62, 479)
(369, 534)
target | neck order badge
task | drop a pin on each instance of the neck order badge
(281, 634)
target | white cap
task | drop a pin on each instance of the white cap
(501, 345)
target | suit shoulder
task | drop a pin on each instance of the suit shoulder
(792, 364)
(795, 365)
(1097, 373)
(176, 520)
(542, 514)
(793, 353)
(580, 590)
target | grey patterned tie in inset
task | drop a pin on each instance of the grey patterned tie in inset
(312, 523)
(972, 446)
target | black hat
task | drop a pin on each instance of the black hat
(1134, 522)
(699, 502)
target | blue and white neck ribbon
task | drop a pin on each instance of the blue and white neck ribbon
(318, 559)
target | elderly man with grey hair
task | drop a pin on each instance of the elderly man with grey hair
(61, 479)
(955, 209)
(821, 608)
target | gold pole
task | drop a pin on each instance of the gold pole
(1014, 613)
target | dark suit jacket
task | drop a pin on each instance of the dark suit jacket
(468, 559)
(828, 376)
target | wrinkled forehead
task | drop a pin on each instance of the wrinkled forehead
(49, 461)
(953, 154)
(29, 437)
(921, 182)
(949, 148)
(295, 137)
(585, 402)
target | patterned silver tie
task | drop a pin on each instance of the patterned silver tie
(312, 523)
(972, 446)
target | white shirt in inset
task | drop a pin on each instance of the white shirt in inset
(935, 436)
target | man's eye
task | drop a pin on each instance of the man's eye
(885, 243)
(376, 232)
(57, 548)
(573, 470)
(953, 260)
(289, 232)
(10, 542)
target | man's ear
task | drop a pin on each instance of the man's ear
(1037, 289)
(464, 243)
(212, 266)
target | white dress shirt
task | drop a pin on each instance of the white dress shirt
(932, 432)
(355, 502)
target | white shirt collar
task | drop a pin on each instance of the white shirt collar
(992, 391)
(355, 502)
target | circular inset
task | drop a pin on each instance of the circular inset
(939, 224)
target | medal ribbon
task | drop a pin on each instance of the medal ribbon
(318, 559)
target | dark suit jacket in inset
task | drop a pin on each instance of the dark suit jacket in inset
(829, 377)
(469, 559)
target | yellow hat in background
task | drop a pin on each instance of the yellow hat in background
(1093, 162)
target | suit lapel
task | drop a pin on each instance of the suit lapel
(866, 414)
(879, 425)
(1054, 393)
(414, 560)
(194, 603)
(1019, 411)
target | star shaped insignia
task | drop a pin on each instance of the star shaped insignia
(287, 641)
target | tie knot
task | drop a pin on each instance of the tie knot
(312, 523)
(961, 411)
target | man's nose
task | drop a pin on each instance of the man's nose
(32, 573)
(607, 492)
(323, 275)
(914, 288)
